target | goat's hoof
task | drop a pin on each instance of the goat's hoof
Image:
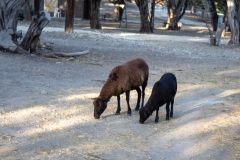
(167, 119)
(117, 113)
(136, 109)
(171, 114)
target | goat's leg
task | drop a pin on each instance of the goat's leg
(139, 98)
(167, 111)
(127, 99)
(171, 113)
(118, 107)
(143, 93)
(156, 119)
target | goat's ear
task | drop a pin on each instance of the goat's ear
(149, 112)
(99, 101)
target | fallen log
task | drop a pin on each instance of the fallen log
(60, 54)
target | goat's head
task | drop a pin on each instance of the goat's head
(144, 114)
(99, 107)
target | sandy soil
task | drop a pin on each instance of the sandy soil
(46, 111)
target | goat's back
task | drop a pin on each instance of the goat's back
(138, 71)
(130, 74)
(166, 87)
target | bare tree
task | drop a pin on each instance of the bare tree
(151, 16)
(175, 13)
(143, 8)
(144, 12)
(238, 15)
(27, 11)
(215, 34)
(213, 12)
(233, 22)
(95, 14)
(69, 19)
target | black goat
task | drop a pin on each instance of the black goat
(163, 92)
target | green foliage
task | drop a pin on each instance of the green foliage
(220, 5)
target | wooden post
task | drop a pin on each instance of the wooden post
(69, 18)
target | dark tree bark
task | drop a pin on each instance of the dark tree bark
(31, 39)
(38, 5)
(215, 39)
(214, 18)
(27, 11)
(95, 14)
(144, 12)
(87, 9)
(69, 18)
(233, 22)
(238, 15)
(219, 33)
(151, 16)
(225, 20)
(175, 13)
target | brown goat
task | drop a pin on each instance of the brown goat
(123, 78)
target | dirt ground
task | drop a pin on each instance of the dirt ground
(46, 110)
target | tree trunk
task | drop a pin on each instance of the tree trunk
(213, 12)
(120, 9)
(38, 5)
(225, 20)
(31, 39)
(144, 12)
(233, 22)
(69, 18)
(95, 14)
(170, 7)
(219, 33)
(87, 9)
(238, 15)
(27, 11)
(175, 13)
(151, 17)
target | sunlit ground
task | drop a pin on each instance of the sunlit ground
(65, 131)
